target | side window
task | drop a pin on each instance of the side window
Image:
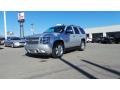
(82, 31)
(69, 30)
(76, 30)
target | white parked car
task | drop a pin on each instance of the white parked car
(89, 40)
(14, 42)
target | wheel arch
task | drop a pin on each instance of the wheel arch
(84, 40)
(59, 41)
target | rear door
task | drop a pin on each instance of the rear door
(77, 36)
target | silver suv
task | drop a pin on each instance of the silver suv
(56, 40)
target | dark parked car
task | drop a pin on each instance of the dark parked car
(106, 40)
(14, 42)
(117, 39)
(96, 40)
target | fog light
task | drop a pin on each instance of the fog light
(42, 51)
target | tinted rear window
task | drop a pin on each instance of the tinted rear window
(82, 31)
(76, 30)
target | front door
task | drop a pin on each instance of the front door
(69, 37)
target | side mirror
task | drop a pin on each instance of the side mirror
(70, 31)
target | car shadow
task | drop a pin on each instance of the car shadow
(70, 51)
(38, 56)
(102, 67)
(88, 75)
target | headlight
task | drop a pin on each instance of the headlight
(45, 40)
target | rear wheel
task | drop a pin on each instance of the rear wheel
(58, 50)
(82, 46)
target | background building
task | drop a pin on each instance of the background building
(107, 31)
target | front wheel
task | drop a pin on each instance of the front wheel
(82, 46)
(58, 50)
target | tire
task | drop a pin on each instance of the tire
(58, 50)
(82, 46)
(28, 54)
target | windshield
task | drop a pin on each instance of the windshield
(56, 29)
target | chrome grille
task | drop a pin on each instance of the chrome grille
(32, 40)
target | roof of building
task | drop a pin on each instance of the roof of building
(112, 28)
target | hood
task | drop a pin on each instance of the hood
(50, 34)
(18, 40)
(45, 35)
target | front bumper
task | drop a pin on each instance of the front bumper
(38, 49)
(19, 44)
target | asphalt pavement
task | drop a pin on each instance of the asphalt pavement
(98, 61)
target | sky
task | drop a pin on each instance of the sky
(42, 20)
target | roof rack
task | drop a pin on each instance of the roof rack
(59, 24)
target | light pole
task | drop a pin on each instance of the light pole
(32, 28)
(21, 20)
(5, 26)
